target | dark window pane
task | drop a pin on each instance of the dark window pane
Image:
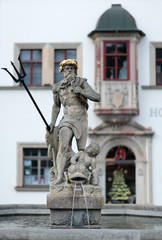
(34, 163)
(159, 79)
(110, 73)
(37, 54)
(34, 171)
(34, 152)
(44, 163)
(50, 163)
(122, 47)
(159, 53)
(25, 54)
(71, 54)
(43, 152)
(110, 61)
(110, 48)
(27, 152)
(59, 55)
(122, 62)
(159, 73)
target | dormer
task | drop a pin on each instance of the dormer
(116, 37)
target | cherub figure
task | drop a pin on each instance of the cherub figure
(83, 165)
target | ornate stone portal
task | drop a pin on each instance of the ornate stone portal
(75, 198)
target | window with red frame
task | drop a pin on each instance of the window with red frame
(61, 54)
(32, 62)
(159, 66)
(116, 60)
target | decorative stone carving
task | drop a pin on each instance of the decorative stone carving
(119, 101)
(83, 165)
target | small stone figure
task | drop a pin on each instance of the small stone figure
(83, 165)
(72, 93)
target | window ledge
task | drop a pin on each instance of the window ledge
(149, 87)
(33, 189)
(29, 87)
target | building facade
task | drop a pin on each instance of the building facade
(118, 46)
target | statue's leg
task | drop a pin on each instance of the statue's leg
(65, 137)
(81, 142)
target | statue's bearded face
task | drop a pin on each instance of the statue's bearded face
(69, 71)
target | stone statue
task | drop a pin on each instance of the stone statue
(72, 93)
(83, 165)
(75, 196)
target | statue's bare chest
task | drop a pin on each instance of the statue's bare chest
(66, 94)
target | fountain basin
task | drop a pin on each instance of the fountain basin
(133, 222)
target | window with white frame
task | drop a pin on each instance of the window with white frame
(36, 166)
(33, 167)
(41, 60)
(156, 64)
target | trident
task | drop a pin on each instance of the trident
(21, 80)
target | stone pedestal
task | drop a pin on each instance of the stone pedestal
(83, 211)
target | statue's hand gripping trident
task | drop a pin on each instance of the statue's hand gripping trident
(20, 79)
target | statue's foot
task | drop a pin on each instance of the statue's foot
(58, 181)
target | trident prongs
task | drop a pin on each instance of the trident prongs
(11, 75)
(22, 68)
(20, 76)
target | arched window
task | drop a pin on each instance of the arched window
(120, 175)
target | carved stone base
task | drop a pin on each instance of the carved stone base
(61, 203)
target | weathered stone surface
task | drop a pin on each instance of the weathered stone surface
(73, 94)
(59, 202)
(63, 218)
(68, 190)
(80, 234)
(78, 207)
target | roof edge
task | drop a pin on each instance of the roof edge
(141, 33)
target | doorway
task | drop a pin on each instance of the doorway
(120, 175)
